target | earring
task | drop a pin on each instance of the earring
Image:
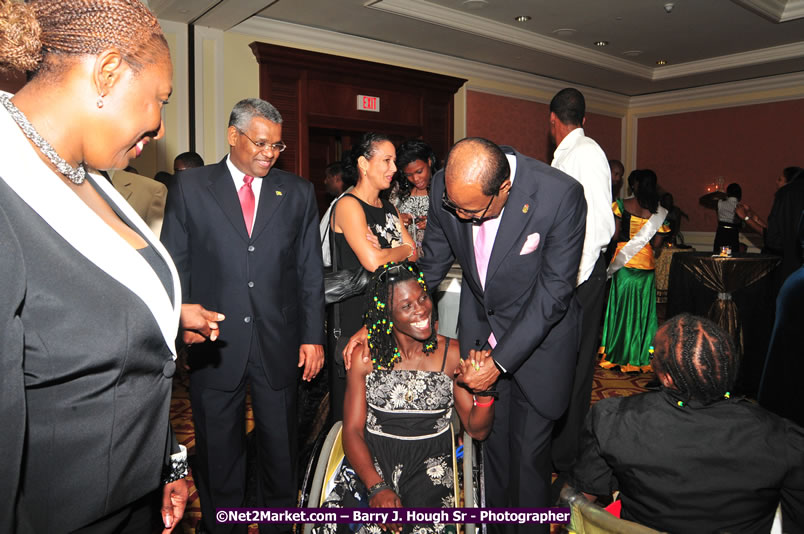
(99, 101)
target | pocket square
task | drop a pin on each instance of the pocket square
(531, 244)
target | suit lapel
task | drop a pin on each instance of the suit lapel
(514, 219)
(223, 190)
(122, 185)
(272, 193)
(40, 188)
(465, 230)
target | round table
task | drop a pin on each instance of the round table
(726, 290)
(662, 270)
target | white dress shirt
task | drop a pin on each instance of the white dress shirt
(256, 185)
(583, 159)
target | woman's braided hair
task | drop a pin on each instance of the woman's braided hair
(699, 356)
(378, 316)
(33, 33)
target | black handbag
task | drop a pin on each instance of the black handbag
(340, 284)
(344, 283)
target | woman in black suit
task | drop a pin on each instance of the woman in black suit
(89, 299)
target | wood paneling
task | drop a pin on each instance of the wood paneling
(319, 91)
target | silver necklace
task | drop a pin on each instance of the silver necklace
(75, 175)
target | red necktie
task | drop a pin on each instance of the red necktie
(246, 195)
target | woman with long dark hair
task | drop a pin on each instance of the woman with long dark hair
(631, 309)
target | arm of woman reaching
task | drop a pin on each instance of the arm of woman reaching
(354, 442)
(350, 220)
(476, 411)
(748, 215)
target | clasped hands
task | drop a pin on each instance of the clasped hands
(477, 372)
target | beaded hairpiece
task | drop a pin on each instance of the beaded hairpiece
(380, 332)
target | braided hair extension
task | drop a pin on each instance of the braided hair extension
(41, 29)
(379, 310)
(699, 356)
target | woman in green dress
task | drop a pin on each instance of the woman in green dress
(631, 309)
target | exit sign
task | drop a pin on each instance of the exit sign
(368, 103)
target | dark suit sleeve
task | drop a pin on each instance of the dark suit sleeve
(12, 386)
(310, 269)
(555, 284)
(437, 257)
(175, 236)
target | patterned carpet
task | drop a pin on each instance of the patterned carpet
(607, 383)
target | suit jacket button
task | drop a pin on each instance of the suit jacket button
(247, 319)
(251, 248)
(169, 369)
(251, 284)
(490, 312)
(477, 343)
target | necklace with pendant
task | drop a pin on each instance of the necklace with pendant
(76, 175)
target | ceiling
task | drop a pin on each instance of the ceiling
(704, 42)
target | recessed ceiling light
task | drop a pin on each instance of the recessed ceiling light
(522, 18)
(601, 43)
(661, 62)
(632, 53)
(474, 4)
(564, 32)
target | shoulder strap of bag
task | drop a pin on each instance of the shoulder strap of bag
(336, 308)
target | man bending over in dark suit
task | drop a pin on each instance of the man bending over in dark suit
(516, 226)
(244, 237)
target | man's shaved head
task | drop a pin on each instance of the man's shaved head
(477, 160)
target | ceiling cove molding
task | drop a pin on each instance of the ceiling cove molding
(733, 94)
(743, 59)
(482, 77)
(460, 21)
(775, 10)
(464, 22)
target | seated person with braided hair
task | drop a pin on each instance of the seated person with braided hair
(691, 457)
(396, 432)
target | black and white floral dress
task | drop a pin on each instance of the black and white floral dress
(408, 434)
(417, 206)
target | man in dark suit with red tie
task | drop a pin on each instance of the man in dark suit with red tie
(516, 226)
(244, 237)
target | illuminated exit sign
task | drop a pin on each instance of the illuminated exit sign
(368, 103)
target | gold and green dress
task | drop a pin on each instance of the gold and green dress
(631, 310)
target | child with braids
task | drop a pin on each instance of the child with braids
(398, 406)
(693, 457)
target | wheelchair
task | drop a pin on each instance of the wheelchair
(324, 467)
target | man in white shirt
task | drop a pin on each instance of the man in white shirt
(583, 159)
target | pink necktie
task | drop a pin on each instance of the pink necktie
(484, 242)
(483, 245)
(246, 194)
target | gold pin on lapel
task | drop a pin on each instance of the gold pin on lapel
(525, 208)
(278, 193)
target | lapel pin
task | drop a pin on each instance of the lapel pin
(278, 193)
(525, 208)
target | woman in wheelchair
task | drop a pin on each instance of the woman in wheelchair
(396, 428)
(694, 457)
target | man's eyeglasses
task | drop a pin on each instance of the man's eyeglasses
(473, 215)
(262, 145)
